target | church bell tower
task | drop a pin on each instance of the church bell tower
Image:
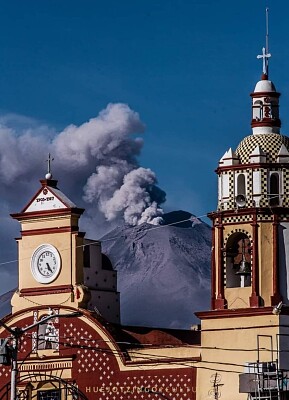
(251, 224)
(245, 334)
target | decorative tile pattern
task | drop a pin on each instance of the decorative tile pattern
(89, 355)
(4, 372)
(264, 188)
(284, 217)
(270, 143)
(96, 364)
(249, 189)
(262, 217)
(264, 196)
(285, 200)
(231, 203)
(237, 218)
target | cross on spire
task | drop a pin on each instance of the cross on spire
(49, 160)
(265, 57)
(265, 51)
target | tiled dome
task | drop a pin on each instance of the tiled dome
(270, 143)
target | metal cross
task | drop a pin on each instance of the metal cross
(265, 57)
(49, 163)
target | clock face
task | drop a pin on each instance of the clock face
(45, 263)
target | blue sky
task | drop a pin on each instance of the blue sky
(186, 66)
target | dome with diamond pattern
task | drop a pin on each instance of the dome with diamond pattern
(270, 143)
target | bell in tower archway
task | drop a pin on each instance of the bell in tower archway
(245, 266)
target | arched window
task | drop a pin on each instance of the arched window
(275, 108)
(241, 184)
(238, 261)
(274, 190)
(258, 110)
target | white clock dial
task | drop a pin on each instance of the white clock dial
(45, 263)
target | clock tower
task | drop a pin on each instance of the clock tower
(50, 251)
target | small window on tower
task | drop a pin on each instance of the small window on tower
(274, 194)
(275, 109)
(241, 185)
(258, 110)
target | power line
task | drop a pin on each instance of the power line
(163, 344)
(96, 241)
(153, 358)
(150, 345)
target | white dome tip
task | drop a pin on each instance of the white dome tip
(264, 86)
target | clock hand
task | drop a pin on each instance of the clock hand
(48, 267)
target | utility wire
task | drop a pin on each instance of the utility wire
(181, 344)
(96, 241)
(156, 359)
(169, 345)
(153, 358)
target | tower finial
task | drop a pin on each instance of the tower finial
(267, 30)
(49, 174)
(265, 51)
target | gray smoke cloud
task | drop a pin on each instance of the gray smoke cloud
(96, 164)
(116, 184)
(131, 198)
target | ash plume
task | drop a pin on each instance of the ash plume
(96, 164)
(131, 198)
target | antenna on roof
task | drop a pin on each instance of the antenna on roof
(267, 38)
(265, 51)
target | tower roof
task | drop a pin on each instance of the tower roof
(48, 200)
(264, 85)
(270, 143)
